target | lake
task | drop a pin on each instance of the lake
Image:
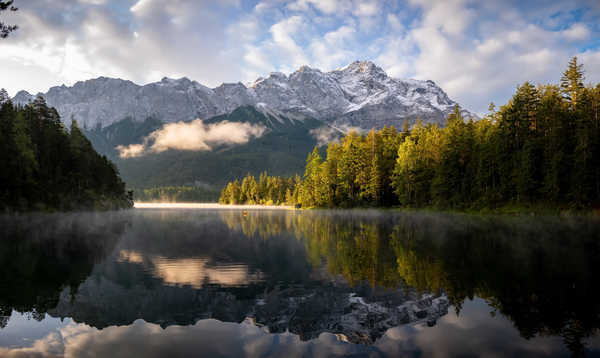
(228, 282)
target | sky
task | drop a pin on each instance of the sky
(477, 51)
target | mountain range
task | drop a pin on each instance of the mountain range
(358, 95)
(291, 114)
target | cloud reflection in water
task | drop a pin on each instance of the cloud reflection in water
(470, 333)
(194, 272)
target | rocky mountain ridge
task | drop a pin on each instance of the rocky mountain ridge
(358, 95)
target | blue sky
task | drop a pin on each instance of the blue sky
(477, 51)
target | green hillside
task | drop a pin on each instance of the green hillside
(280, 151)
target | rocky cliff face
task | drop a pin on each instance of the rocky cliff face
(360, 94)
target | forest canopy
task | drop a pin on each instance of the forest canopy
(46, 167)
(542, 147)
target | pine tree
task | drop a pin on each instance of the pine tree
(348, 167)
(404, 175)
(391, 140)
(375, 181)
(571, 82)
(312, 180)
(51, 168)
(5, 29)
(4, 97)
(405, 127)
(449, 184)
(330, 173)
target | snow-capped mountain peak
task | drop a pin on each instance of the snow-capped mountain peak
(365, 67)
(360, 94)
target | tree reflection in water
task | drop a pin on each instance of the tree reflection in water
(539, 272)
(43, 254)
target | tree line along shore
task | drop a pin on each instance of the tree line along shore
(541, 149)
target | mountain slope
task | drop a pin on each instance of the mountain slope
(281, 150)
(298, 111)
(360, 94)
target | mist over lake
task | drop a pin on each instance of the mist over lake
(222, 281)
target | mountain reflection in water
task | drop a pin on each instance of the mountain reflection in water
(289, 283)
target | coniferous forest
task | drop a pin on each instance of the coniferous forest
(46, 167)
(540, 149)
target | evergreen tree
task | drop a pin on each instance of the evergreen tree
(571, 82)
(405, 172)
(48, 168)
(310, 190)
(5, 29)
(543, 146)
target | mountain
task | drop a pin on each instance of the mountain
(358, 95)
(281, 150)
(295, 112)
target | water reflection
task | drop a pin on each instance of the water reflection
(40, 256)
(471, 334)
(517, 286)
(540, 273)
(194, 272)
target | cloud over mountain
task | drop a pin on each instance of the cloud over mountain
(193, 136)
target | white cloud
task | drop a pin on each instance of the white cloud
(591, 60)
(366, 9)
(283, 39)
(395, 23)
(256, 57)
(577, 32)
(325, 135)
(451, 16)
(212, 337)
(334, 48)
(93, 2)
(77, 41)
(193, 136)
(247, 29)
(490, 47)
(477, 51)
(330, 7)
(131, 151)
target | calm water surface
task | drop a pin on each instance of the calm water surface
(214, 282)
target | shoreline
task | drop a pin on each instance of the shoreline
(146, 205)
(499, 211)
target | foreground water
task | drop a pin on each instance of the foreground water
(209, 281)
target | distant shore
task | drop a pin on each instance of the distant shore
(142, 205)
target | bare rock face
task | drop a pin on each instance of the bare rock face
(358, 95)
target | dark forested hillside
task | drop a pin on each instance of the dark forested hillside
(46, 167)
(541, 148)
(281, 150)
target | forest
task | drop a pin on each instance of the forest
(46, 167)
(542, 148)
